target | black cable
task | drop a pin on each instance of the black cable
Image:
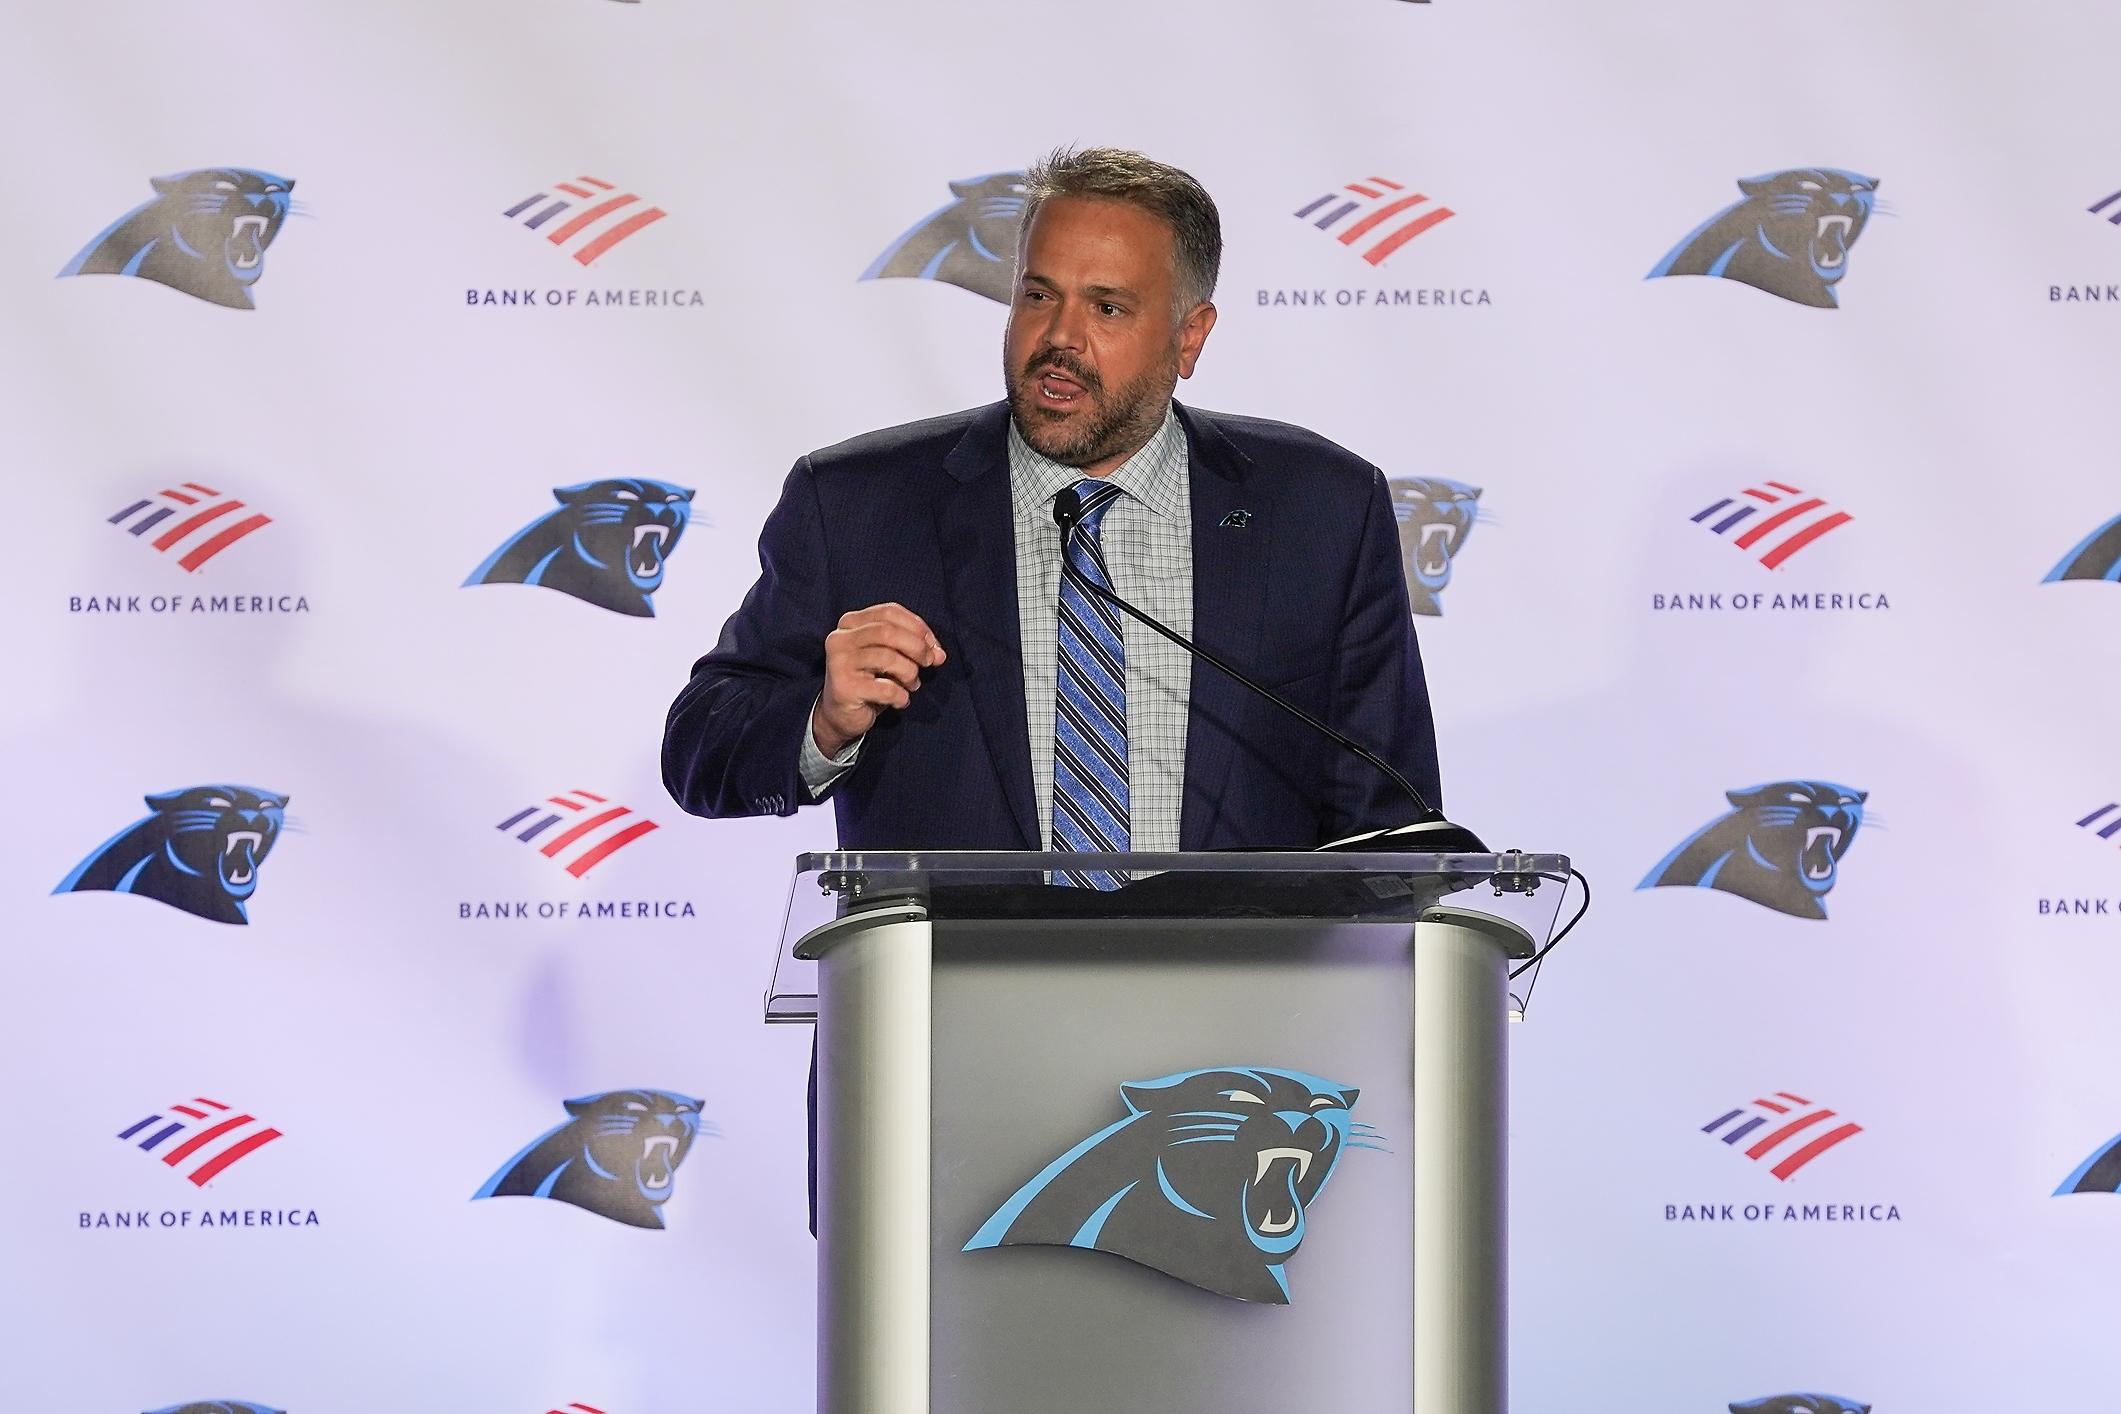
(1554, 942)
(1067, 511)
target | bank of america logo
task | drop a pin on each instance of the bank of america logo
(1792, 520)
(2105, 822)
(196, 520)
(203, 1136)
(610, 216)
(576, 1409)
(2101, 208)
(591, 829)
(1385, 216)
(1794, 1137)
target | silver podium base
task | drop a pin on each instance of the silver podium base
(956, 1059)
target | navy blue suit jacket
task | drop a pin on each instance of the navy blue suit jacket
(1306, 593)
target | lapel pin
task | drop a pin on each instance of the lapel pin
(1236, 520)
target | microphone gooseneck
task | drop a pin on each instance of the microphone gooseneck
(1431, 831)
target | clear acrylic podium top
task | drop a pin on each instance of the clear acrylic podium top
(1522, 889)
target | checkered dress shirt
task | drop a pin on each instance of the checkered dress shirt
(1148, 542)
(1147, 537)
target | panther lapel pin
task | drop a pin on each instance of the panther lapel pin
(1236, 520)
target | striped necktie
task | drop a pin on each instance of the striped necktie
(1090, 705)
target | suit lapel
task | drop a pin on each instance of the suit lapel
(976, 529)
(1231, 567)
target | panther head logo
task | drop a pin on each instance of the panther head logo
(1435, 516)
(606, 545)
(205, 233)
(2101, 1173)
(1790, 236)
(219, 1406)
(971, 243)
(617, 1155)
(198, 849)
(1800, 1404)
(1208, 1178)
(2097, 556)
(1781, 846)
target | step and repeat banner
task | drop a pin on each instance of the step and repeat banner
(395, 393)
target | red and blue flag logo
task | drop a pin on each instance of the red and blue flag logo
(590, 829)
(1794, 1136)
(598, 216)
(1772, 521)
(1381, 216)
(203, 1138)
(194, 521)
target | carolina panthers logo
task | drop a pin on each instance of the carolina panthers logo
(971, 243)
(1790, 235)
(2101, 1173)
(1208, 1178)
(205, 233)
(219, 1406)
(198, 849)
(1435, 517)
(617, 1155)
(606, 545)
(1800, 1404)
(2097, 556)
(1781, 846)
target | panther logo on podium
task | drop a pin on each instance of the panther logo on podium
(1790, 235)
(205, 233)
(1208, 1178)
(606, 545)
(617, 1155)
(219, 1406)
(1780, 846)
(1800, 1404)
(971, 243)
(2096, 557)
(1435, 516)
(198, 849)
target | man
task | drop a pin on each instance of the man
(912, 650)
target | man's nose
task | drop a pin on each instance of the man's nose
(1064, 328)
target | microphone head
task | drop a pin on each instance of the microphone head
(1067, 510)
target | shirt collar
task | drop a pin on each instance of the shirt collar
(1155, 475)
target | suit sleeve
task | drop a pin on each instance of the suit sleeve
(1380, 696)
(732, 744)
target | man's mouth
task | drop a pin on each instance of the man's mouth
(657, 1162)
(246, 243)
(239, 856)
(1057, 389)
(1820, 842)
(1830, 243)
(647, 549)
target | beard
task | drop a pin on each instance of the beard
(1108, 427)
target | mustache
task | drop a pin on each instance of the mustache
(1061, 362)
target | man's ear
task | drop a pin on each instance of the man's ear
(1193, 332)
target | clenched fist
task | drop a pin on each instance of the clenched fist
(873, 663)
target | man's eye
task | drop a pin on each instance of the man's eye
(1109, 310)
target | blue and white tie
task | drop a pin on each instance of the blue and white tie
(1090, 705)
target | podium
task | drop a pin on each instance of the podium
(1228, 1138)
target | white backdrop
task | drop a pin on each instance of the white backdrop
(397, 434)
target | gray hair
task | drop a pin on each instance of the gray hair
(1163, 191)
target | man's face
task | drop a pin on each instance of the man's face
(1093, 350)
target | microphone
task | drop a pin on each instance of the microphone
(1429, 831)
